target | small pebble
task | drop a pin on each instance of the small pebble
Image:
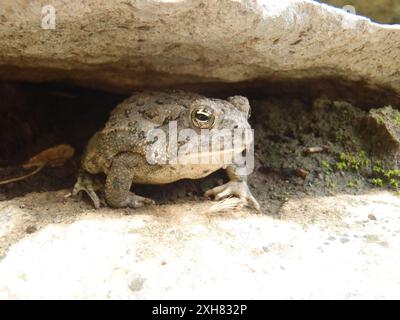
(30, 229)
(266, 249)
(301, 173)
(136, 284)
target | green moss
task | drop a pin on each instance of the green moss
(359, 163)
(377, 167)
(353, 162)
(394, 183)
(397, 119)
(377, 182)
(385, 177)
(326, 166)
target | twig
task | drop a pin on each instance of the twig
(311, 150)
(25, 176)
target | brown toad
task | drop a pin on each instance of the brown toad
(137, 145)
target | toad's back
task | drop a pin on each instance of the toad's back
(129, 123)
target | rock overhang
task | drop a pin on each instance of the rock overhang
(122, 46)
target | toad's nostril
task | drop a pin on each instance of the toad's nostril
(236, 126)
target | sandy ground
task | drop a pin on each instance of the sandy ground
(342, 246)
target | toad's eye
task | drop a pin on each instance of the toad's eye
(203, 118)
(249, 114)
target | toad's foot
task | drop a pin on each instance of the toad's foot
(90, 185)
(238, 189)
(132, 201)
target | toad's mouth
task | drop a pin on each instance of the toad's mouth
(225, 156)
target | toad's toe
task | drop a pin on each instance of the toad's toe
(237, 189)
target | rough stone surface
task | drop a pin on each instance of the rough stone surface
(382, 126)
(122, 45)
(328, 247)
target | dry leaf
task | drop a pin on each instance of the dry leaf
(54, 156)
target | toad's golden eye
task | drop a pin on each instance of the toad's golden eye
(203, 118)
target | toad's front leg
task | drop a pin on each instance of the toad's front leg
(237, 187)
(119, 182)
(89, 184)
